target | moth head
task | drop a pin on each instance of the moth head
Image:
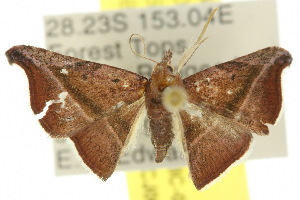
(174, 98)
(163, 73)
(165, 64)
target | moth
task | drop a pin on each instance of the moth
(212, 114)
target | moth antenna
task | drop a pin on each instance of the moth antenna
(140, 55)
(187, 54)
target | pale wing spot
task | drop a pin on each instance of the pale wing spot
(207, 79)
(126, 84)
(197, 86)
(62, 96)
(196, 83)
(64, 71)
(193, 110)
(118, 105)
(229, 92)
(237, 116)
(69, 119)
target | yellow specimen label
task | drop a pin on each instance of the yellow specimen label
(175, 184)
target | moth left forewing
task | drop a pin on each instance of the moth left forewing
(98, 106)
(91, 89)
(213, 143)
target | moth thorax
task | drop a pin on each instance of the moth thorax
(174, 98)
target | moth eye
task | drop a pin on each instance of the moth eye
(161, 88)
(170, 68)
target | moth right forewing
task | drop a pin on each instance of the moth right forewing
(246, 89)
(91, 89)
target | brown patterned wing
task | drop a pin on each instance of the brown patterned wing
(98, 106)
(247, 89)
(212, 143)
(80, 91)
(101, 144)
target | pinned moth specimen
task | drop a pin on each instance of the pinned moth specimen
(212, 113)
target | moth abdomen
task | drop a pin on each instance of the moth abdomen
(161, 134)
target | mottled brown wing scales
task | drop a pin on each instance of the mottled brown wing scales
(247, 89)
(99, 106)
(95, 105)
(87, 79)
(97, 153)
(213, 144)
(43, 87)
(235, 98)
(63, 121)
(92, 89)
(102, 143)
(264, 100)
